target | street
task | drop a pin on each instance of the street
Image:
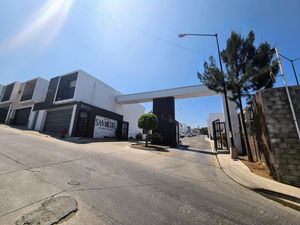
(116, 184)
(197, 142)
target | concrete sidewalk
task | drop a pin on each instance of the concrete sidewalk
(239, 172)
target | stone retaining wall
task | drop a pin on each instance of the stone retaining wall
(275, 132)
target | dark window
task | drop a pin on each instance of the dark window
(28, 90)
(7, 92)
(66, 87)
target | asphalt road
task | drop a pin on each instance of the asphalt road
(116, 184)
(197, 142)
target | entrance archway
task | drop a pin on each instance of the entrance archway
(164, 108)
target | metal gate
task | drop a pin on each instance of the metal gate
(220, 136)
(82, 124)
(125, 128)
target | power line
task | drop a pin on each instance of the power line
(154, 36)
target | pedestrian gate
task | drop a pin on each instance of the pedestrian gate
(219, 135)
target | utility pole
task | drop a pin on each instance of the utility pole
(234, 153)
(293, 66)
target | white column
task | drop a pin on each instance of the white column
(40, 121)
(72, 120)
(31, 119)
(9, 114)
(234, 123)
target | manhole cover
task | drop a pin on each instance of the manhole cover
(73, 182)
(50, 212)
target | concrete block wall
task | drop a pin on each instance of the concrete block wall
(277, 138)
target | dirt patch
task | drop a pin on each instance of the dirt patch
(256, 167)
(150, 147)
(52, 211)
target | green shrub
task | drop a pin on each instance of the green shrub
(157, 139)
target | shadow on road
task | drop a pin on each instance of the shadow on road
(187, 148)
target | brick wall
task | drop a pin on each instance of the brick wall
(275, 133)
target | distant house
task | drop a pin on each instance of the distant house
(211, 118)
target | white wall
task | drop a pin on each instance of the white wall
(212, 117)
(131, 114)
(183, 128)
(1, 90)
(94, 92)
(41, 117)
(40, 90)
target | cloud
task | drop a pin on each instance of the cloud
(43, 26)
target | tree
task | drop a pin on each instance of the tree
(247, 70)
(203, 131)
(148, 122)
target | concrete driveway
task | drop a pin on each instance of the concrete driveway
(116, 184)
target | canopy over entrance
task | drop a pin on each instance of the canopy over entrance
(177, 93)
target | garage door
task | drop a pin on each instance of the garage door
(22, 116)
(3, 114)
(58, 120)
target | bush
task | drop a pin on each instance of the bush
(138, 137)
(157, 139)
(148, 122)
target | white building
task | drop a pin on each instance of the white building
(29, 93)
(81, 105)
(183, 128)
(9, 93)
(18, 99)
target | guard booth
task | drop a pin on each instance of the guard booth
(219, 135)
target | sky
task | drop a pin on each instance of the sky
(132, 45)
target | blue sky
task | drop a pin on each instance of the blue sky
(132, 45)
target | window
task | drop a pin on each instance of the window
(72, 83)
(66, 87)
(28, 90)
(7, 92)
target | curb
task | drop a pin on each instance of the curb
(283, 199)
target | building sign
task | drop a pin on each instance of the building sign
(104, 127)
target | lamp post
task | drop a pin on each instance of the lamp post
(293, 66)
(233, 151)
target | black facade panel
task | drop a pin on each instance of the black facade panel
(92, 112)
(164, 109)
(21, 117)
(52, 90)
(48, 103)
(57, 121)
(28, 90)
(66, 87)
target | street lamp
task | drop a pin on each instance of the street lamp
(225, 89)
(292, 62)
